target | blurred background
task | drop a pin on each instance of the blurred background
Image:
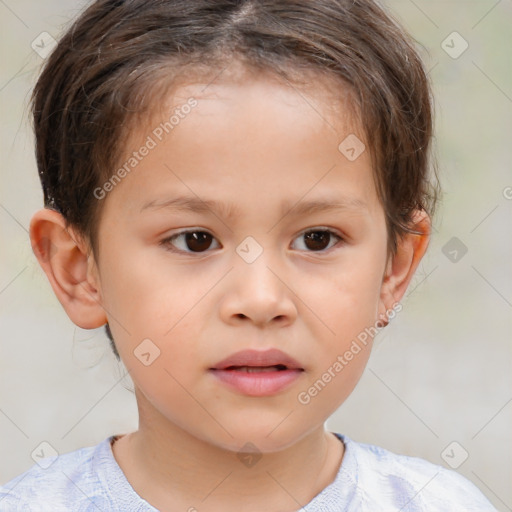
(438, 384)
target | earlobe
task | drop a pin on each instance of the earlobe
(63, 257)
(402, 266)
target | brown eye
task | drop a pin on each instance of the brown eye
(198, 241)
(189, 242)
(318, 240)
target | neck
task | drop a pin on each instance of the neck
(174, 470)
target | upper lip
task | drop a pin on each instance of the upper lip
(271, 357)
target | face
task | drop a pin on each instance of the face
(244, 260)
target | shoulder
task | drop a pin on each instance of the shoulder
(61, 480)
(411, 483)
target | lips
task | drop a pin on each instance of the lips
(258, 373)
(251, 361)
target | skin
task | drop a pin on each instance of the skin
(252, 141)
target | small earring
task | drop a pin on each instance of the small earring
(382, 322)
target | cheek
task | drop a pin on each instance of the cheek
(157, 312)
(147, 296)
(350, 296)
(341, 355)
(333, 382)
(348, 303)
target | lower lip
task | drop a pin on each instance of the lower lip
(258, 383)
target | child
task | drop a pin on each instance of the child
(294, 138)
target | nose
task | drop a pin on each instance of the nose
(257, 293)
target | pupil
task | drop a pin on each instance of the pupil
(198, 241)
(318, 240)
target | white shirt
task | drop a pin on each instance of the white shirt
(370, 479)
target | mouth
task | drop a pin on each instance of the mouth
(256, 373)
(270, 360)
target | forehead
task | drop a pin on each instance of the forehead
(246, 134)
(330, 97)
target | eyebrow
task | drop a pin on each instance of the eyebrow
(228, 210)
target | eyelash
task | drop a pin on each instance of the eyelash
(167, 242)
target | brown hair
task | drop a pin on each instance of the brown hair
(109, 65)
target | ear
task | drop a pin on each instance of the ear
(72, 272)
(401, 267)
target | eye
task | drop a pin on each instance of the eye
(316, 240)
(196, 241)
(189, 241)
